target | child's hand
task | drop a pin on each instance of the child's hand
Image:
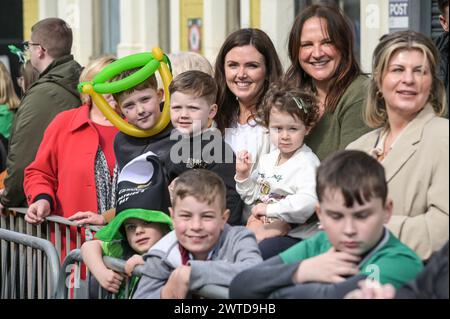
(132, 262)
(259, 210)
(243, 165)
(330, 267)
(110, 280)
(370, 289)
(177, 287)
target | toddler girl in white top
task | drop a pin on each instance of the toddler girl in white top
(282, 187)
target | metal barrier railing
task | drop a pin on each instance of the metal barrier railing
(29, 266)
(67, 235)
(81, 289)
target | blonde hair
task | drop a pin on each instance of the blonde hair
(375, 114)
(94, 67)
(7, 94)
(187, 61)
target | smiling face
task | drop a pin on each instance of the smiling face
(406, 83)
(245, 72)
(142, 235)
(286, 132)
(141, 107)
(318, 57)
(190, 114)
(197, 224)
(355, 229)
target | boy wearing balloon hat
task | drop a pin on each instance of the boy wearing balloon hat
(141, 221)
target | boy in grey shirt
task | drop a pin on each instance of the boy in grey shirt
(202, 249)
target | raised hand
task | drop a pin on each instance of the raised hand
(243, 164)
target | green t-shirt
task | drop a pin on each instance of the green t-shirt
(389, 262)
(117, 249)
(6, 119)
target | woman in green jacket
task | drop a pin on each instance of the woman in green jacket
(322, 61)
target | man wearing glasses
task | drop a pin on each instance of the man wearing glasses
(54, 91)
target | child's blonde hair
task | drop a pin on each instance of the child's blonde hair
(94, 67)
(7, 94)
(286, 97)
(202, 184)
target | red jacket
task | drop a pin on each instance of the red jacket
(64, 164)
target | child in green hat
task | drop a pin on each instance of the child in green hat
(141, 221)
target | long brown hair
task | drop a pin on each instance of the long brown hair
(228, 105)
(341, 34)
(7, 94)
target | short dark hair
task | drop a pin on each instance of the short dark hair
(196, 83)
(284, 96)
(202, 184)
(442, 4)
(356, 174)
(54, 35)
(149, 83)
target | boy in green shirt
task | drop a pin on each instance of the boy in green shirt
(353, 208)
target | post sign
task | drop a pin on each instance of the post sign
(398, 14)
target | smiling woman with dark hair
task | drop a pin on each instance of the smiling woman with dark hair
(322, 61)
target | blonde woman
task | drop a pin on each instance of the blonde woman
(405, 102)
(8, 101)
(74, 166)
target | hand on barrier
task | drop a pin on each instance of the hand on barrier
(110, 280)
(37, 211)
(88, 218)
(132, 262)
(177, 287)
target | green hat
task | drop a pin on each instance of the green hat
(112, 230)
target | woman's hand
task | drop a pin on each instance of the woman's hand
(37, 211)
(88, 218)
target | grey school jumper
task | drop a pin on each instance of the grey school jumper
(235, 251)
